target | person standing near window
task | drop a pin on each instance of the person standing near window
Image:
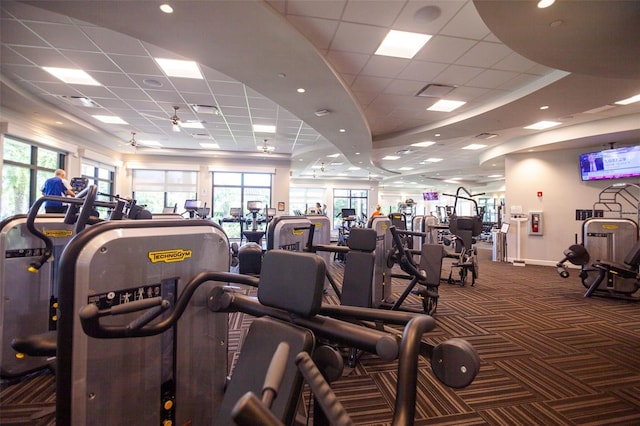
(57, 186)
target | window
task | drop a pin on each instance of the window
(357, 199)
(233, 190)
(25, 168)
(158, 189)
(301, 199)
(102, 176)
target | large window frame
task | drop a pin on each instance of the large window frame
(164, 189)
(102, 176)
(25, 167)
(233, 190)
(357, 199)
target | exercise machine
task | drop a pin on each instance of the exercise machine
(608, 258)
(31, 246)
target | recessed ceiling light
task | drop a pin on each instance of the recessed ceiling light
(208, 145)
(405, 168)
(391, 157)
(357, 153)
(494, 176)
(191, 124)
(179, 68)
(402, 44)
(264, 128)
(433, 160)
(437, 135)
(149, 142)
(541, 125)
(72, 76)
(342, 130)
(301, 90)
(110, 119)
(166, 8)
(475, 146)
(353, 168)
(444, 105)
(336, 163)
(545, 3)
(333, 155)
(423, 144)
(630, 100)
(543, 107)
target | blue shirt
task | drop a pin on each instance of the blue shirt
(53, 186)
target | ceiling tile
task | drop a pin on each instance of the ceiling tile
(372, 12)
(491, 79)
(444, 49)
(189, 85)
(358, 38)
(484, 54)
(384, 66)
(112, 42)
(90, 61)
(44, 57)
(129, 94)
(137, 64)
(111, 79)
(316, 8)
(370, 84)
(457, 75)
(319, 31)
(414, 17)
(347, 62)
(466, 24)
(63, 36)
(514, 62)
(14, 32)
(404, 87)
(422, 71)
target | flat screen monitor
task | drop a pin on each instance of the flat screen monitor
(254, 205)
(348, 212)
(192, 204)
(235, 211)
(271, 212)
(430, 196)
(615, 163)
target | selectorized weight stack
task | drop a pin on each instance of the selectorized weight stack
(381, 285)
(136, 381)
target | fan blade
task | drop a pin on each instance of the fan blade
(144, 114)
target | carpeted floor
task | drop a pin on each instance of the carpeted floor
(549, 357)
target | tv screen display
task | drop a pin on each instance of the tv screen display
(430, 196)
(192, 204)
(610, 164)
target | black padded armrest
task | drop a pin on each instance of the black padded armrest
(44, 344)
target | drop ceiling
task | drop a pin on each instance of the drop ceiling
(505, 59)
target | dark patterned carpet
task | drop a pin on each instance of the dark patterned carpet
(549, 357)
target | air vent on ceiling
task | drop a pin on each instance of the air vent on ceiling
(80, 101)
(486, 136)
(202, 136)
(435, 90)
(205, 109)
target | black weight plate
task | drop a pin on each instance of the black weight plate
(455, 363)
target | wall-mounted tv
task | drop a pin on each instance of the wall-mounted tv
(615, 163)
(430, 196)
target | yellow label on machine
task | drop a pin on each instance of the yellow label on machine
(297, 231)
(58, 233)
(610, 227)
(169, 256)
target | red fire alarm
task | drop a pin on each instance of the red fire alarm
(539, 193)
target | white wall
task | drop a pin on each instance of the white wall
(557, 175)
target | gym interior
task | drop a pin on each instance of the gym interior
(312, 229)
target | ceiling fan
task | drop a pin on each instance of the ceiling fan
(175, 120)
(267, 149)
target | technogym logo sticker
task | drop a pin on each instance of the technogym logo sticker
(169, 256)
(58, 233)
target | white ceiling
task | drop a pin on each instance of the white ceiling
(255, 54)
